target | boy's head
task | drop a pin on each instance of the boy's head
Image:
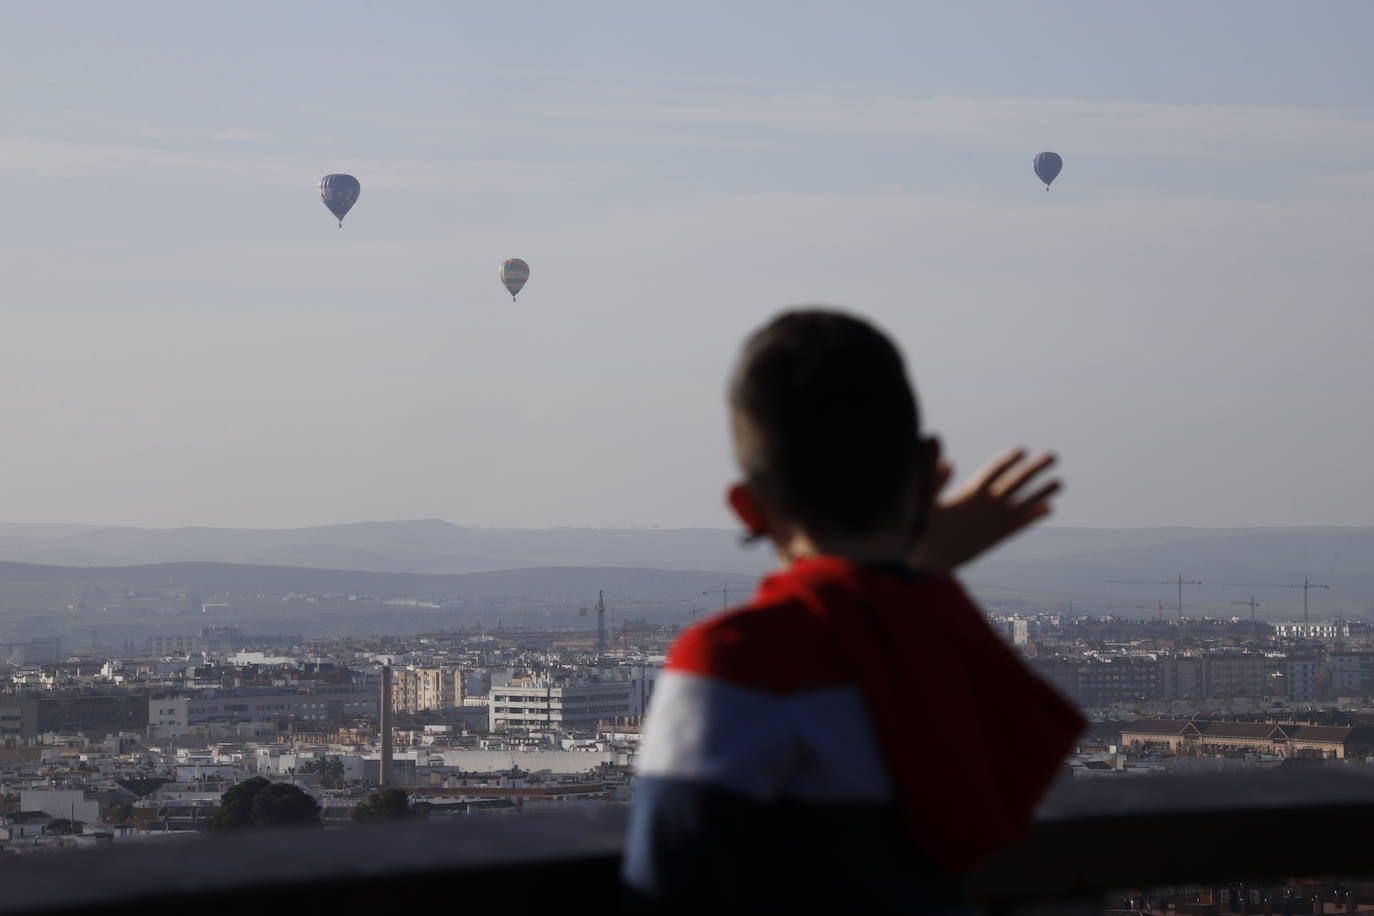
(827, 431)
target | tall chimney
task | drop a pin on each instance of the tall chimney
(384, 769)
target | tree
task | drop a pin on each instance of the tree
(333, 769)
(330, 770)
(64, 827)
(257, 802)
(236, 805)
(383, 805)
(282, 804)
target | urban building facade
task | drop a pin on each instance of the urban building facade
(1203, 737)
(550, 706)
(1351, 672)
(72, 711)
(322, 706)
(418, 689)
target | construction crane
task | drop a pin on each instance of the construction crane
(1251, 604)
(1306, 585)
(1180, 582)
(724, 592)
(601, 609)
(600, 622)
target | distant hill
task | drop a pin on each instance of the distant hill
(535, 585)
(422, 546)
(1078, 564)
(1045, 567)
(134, 602)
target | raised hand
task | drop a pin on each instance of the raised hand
(993, 505)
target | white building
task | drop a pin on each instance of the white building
(534, 761)
(1315, 629)
(551, 707)
(68, 803)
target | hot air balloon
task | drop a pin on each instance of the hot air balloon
(514, 273)
(340, 193)
(1047, 166)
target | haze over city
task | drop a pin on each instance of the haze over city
(191, 341)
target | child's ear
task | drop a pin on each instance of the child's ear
(932, 472)
(930, 452)
(747, 509)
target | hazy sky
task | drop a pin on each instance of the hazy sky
(188, 338)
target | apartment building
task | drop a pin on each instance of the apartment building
(1234, 674)
(416, 689)
(1101, 680)
(69, 712)
(1301, 675)
(320, 706)
(215, 639)
(1315, 629)
(550, 706)
(1351, 672)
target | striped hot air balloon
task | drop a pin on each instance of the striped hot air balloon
(514, 273)
(339, 193)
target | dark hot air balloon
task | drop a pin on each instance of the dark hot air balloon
(340, 193)
(1047, 166)
(514, 273)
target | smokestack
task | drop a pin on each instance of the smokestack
(384, 770)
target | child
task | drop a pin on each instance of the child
(857, 736)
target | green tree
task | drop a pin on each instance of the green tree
(257, 802)
(383, 805)
(63, 827)
(236, 805)
(330, 770)
(333, 769)
(282, 804)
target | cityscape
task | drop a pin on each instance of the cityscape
(741, 458)
(142, 742)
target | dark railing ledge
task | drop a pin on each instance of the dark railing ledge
(1092, 835)
(481, 858)
(1098, 834)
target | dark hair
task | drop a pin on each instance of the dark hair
(826, 424)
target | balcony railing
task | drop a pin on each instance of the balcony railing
(1092, 836)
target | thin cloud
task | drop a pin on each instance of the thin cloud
(1084, 126)
(29, 80)
(147, 130)
(35, 157)
(1347, 182)
(544, 125)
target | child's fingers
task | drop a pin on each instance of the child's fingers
(1026, 474)
(1037, 505)
(994, 469)
(943, 472)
